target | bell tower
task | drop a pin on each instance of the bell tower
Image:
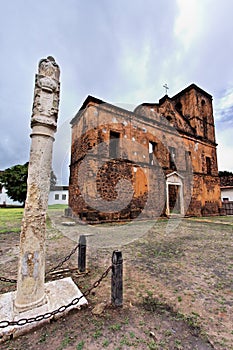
(196, 105)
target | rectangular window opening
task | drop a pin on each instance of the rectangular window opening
(56, 197)
(188, 160)
(153, 148)
(208, 165)
(114, 144)
(205, 130)
(172, 158)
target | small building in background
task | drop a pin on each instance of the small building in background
(226, 183)
(58, 195)
(6, 201)
(227, 193)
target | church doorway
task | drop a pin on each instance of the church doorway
(175, 198)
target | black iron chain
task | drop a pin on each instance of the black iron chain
(97, 283)
(61, 309)
(63, 260)
(10, 280)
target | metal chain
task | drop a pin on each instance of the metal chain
(63, 260)
(3, 279)
(11, 280)
(97, 283)
(61, 309)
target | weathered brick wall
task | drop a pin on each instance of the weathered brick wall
(196, 106)
(227, 208)
(95, 178)
(108, 177)
(205, 196)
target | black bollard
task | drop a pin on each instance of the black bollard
(117, 278)
(82, 254)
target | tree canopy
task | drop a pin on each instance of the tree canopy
(14, 179)
(225, 173)
(226, 178)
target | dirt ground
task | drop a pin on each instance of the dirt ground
(178, 286)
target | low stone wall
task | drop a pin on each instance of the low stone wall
(227, 208)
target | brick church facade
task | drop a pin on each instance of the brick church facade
(158, 160)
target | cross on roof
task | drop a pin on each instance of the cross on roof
(166, 87)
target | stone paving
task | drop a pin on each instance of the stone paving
(102, 235)
(117, 235)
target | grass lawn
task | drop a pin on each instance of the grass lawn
(57, 206)
(10, 219)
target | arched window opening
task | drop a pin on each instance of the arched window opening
(178, 107)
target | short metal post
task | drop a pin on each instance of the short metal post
(117, 278)
(82, 254)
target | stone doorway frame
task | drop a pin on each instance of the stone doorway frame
(175, 179)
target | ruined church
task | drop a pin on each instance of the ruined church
(159, 159)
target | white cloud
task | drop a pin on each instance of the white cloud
(225, 101)
(120, 51)
(224, 150)
(189, 22)
(134, 68)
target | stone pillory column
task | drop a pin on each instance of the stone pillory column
(31, 272)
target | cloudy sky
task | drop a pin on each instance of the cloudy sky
(122, 51)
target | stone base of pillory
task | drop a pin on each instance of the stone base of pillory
(58, 293)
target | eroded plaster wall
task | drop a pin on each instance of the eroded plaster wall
(111, 145)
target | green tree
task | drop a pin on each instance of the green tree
(225, 173)
(53, 180)
(14, 179)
